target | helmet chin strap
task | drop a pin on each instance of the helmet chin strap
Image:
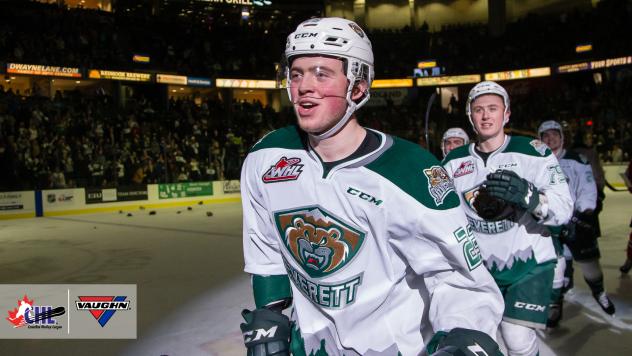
(334, 129)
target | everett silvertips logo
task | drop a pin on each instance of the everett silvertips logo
(102, 308)
(439, 183)
(319, 242)
(285, 169)
(35, 317)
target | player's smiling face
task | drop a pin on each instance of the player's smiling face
(318, 87)
(488, 113)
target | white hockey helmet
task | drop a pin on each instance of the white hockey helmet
(340, 38)
(486, 87)
(550, 125)
(454, 132)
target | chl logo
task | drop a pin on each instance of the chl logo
(320, 242)
(35, 316)
(285, 169)
(102, 308)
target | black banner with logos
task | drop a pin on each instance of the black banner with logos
(125, 193)
(130, 193)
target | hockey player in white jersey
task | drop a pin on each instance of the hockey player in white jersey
(452, 138)
(512, 187)
(361, 231)
(580, 242)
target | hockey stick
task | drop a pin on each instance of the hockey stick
(430, 102)
(611, 187)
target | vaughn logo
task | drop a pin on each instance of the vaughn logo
(102, 308)
(320, 242)
(34, 316)
(285, 169)
(466, 167)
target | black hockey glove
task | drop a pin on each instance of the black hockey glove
(266, 332)
(568, 233)
(463, 342)
(583, 220)
(489, 207)
(508, 186)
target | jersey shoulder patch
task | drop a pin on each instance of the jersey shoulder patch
(459, 152)
(527, 146)
(418, 173)
(289, 137)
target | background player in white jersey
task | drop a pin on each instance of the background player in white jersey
(452, 138)
(511, 187)
(578, 235)
(362, 232)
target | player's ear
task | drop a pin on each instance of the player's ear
(359, 90)
(506, 118)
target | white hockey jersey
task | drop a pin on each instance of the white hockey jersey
(580, 180)
(510, 247)
(377, 248)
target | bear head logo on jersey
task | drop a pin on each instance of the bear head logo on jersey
(318, 241)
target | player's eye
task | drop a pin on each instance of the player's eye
(294, 76)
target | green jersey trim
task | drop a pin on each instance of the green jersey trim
(289, 137)
(527, 146)
(418, 173)
(459, 152)
(508, 276)
(268, 289)
(574, 156)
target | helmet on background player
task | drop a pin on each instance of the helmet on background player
(454, 132)
(551, 125)
(487, 87)
(339, 38)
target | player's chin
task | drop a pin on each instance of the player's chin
(310, 124)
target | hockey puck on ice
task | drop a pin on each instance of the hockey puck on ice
(189, 208)
(209, 213)
(153, 212)
(129, 214)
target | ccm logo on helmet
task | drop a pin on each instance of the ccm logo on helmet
(306, 35)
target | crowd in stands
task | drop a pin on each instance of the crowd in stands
(39, 33)
(79, 139)
(75, 140)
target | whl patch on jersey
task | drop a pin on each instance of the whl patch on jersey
(439, 183)
(539, 146)
(102, 308)
(465, 168)
(320, 242)
(284, 170)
